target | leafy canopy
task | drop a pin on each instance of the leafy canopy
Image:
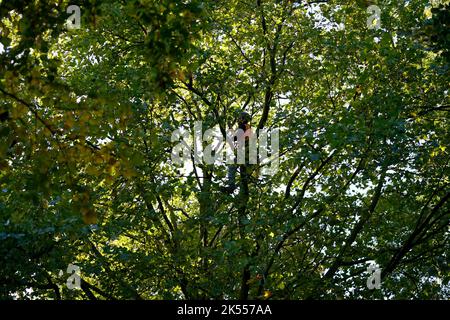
(86, 177)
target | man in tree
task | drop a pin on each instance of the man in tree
(240, 139)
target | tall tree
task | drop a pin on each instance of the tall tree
(86, 170)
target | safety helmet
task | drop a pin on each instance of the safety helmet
(244, 117)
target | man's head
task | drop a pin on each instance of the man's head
(243, 119)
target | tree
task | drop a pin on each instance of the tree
(87, 178)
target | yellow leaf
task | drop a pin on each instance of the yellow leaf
(18, 111)
(89, 216)
(128, 173)
(93, 170)
(112, 170)
(69, 122)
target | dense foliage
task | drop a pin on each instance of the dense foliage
(86, 175)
